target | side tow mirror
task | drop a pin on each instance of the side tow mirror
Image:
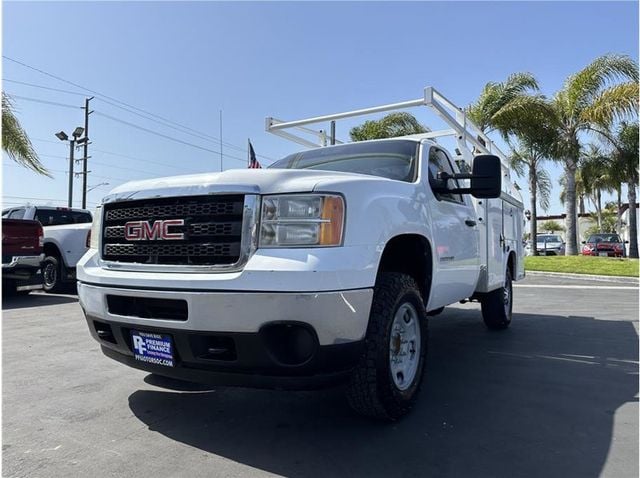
(486, 177)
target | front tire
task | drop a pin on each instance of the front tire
(52, 274)
(386, 381)
(497, 305)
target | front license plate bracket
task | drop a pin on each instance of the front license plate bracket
(152, 348)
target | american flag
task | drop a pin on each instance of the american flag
(253, 162)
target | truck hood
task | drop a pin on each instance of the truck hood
(247, 181)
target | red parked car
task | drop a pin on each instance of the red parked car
(608, 245)
(22, 255)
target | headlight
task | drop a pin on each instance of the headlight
(301, 220)
(96, 228)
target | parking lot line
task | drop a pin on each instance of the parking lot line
(547, 286)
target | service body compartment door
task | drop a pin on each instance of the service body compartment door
(495, 246)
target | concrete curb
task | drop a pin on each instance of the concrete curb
(566, 275)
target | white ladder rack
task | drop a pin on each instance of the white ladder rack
(470, 139)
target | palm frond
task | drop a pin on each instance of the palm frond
(495, 96)
(583, 86)
(15, 141)
(615, 103)
(544, 186)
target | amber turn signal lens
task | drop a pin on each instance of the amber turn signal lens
(333, 214)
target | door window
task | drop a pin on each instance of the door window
(439, 162)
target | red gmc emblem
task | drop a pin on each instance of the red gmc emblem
(145, 231)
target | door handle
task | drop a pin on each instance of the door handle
(470, 222)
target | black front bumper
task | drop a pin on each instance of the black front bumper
(250, 360)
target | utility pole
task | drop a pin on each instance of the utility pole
(86, 151)
(72, 145)
(220, 140)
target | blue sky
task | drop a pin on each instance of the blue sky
(187, 61)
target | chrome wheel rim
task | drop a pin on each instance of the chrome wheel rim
(506, 295)
(50, 274)
(404, 346)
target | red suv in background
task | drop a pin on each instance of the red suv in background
(608, 245)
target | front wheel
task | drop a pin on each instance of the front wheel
(386, 381)
(497, 305)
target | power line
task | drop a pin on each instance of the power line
(102, 97)
(162, 135)
(112, 153)
(38, 100)
(143, 160)
(124, 180)
(43, 87)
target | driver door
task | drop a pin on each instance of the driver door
(455, 237)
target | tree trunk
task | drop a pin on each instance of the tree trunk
(633, 222)
(599, 209)
(619, 220)
(533, 192)
(570, 167)
(582, 204)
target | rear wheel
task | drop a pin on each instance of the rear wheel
(52, 274)
(497, 306)
(387, 379)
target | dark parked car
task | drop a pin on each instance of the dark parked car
(608, 245)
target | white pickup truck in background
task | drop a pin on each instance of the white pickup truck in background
(66, 239)
(320, 269)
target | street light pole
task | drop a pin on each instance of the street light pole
(72, 144)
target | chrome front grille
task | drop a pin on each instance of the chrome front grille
(211, 233)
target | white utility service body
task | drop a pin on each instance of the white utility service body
(297, 316)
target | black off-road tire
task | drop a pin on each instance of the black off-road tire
(371, 390)
(52, 274)
(497, 305)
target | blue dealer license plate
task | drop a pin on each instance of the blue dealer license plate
(152, 348)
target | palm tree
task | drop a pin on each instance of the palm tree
(514, 108)
(485, 111)
(590, 100)
(595, 168)
(529, 159)
(390, 126)
(15, 141)
(626, 159)
(580, 193)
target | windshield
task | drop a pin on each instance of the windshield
(546, 239)
(604, 238)
(387, 159)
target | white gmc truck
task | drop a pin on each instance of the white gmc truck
(321, 269)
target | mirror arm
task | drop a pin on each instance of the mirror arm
(437, 189)
(446, 176)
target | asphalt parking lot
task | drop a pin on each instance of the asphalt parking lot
(555, 395)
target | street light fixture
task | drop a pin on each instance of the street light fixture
(62, 136)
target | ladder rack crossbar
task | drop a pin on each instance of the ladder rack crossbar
(466, 132)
